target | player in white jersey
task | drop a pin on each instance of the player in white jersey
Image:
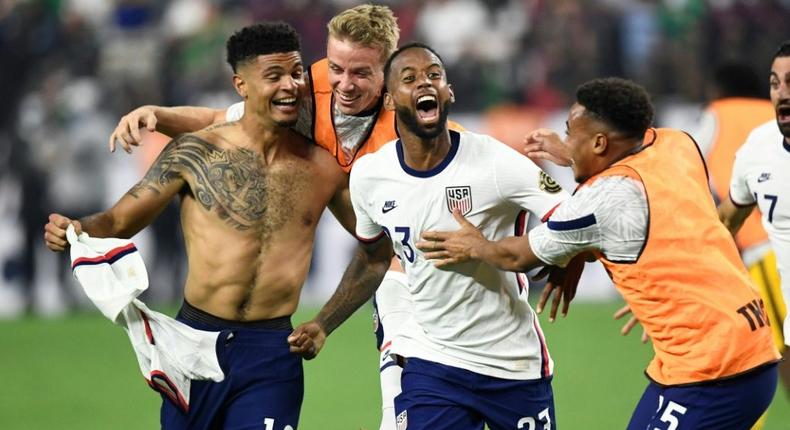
(761, 177)
(473, 350)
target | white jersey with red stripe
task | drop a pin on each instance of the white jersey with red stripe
(471, 316)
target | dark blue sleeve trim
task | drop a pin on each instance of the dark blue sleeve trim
(573, 224)
(390, 364)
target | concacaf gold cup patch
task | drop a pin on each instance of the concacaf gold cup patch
(548, 184)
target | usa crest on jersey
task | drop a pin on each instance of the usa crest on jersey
(402, 421)
(460, 198)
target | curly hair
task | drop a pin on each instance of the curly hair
(782, 51)
(388, 64)
(261, 39)
(619, 103)
(367, 25)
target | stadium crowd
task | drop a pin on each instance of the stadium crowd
(70, 68)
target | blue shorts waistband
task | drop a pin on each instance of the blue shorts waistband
(189, 313)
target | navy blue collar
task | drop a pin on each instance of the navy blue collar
(455, 137)
(785, 144)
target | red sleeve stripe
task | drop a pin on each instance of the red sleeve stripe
(109, 258)
(521, 223)
(161, 383)
(520, 229)
(148, 332)
(544, 352)
(549, 213)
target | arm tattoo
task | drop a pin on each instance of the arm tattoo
(360, 281)
(161, 173)
(219, 125)
(228, 182)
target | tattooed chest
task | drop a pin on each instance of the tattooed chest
(235, 185)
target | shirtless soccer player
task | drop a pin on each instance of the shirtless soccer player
(251, 194)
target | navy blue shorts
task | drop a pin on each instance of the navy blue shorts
(731, 404)
(263, 386)
(439, 397)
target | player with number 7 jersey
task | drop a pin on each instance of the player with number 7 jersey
(761, 177)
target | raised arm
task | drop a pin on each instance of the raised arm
(134, 211)
(360, 280)
(170, 121)
(544, 144)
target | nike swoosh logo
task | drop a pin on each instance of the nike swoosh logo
(385, 210)
(762, 179)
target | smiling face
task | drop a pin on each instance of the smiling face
(780, 93)
(418, 91)
(356, 75)
(271, 85)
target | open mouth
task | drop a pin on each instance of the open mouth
(345, 99)
(783, 113)
(287, 102)
(427, 108)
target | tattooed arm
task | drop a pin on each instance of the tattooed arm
(363, 275)
(135, 210)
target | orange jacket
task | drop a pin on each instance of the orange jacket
(735, 119)
(688, 287)
(382, 131)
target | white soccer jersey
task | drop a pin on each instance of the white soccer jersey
(609, 215)
(761, 175)
(470, 316)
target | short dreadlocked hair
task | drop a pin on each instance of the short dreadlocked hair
(619, 103)
(261, 39)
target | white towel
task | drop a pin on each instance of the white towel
(169, 353)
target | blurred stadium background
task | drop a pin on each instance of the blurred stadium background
(70, 68)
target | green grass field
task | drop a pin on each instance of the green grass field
(80, 373)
